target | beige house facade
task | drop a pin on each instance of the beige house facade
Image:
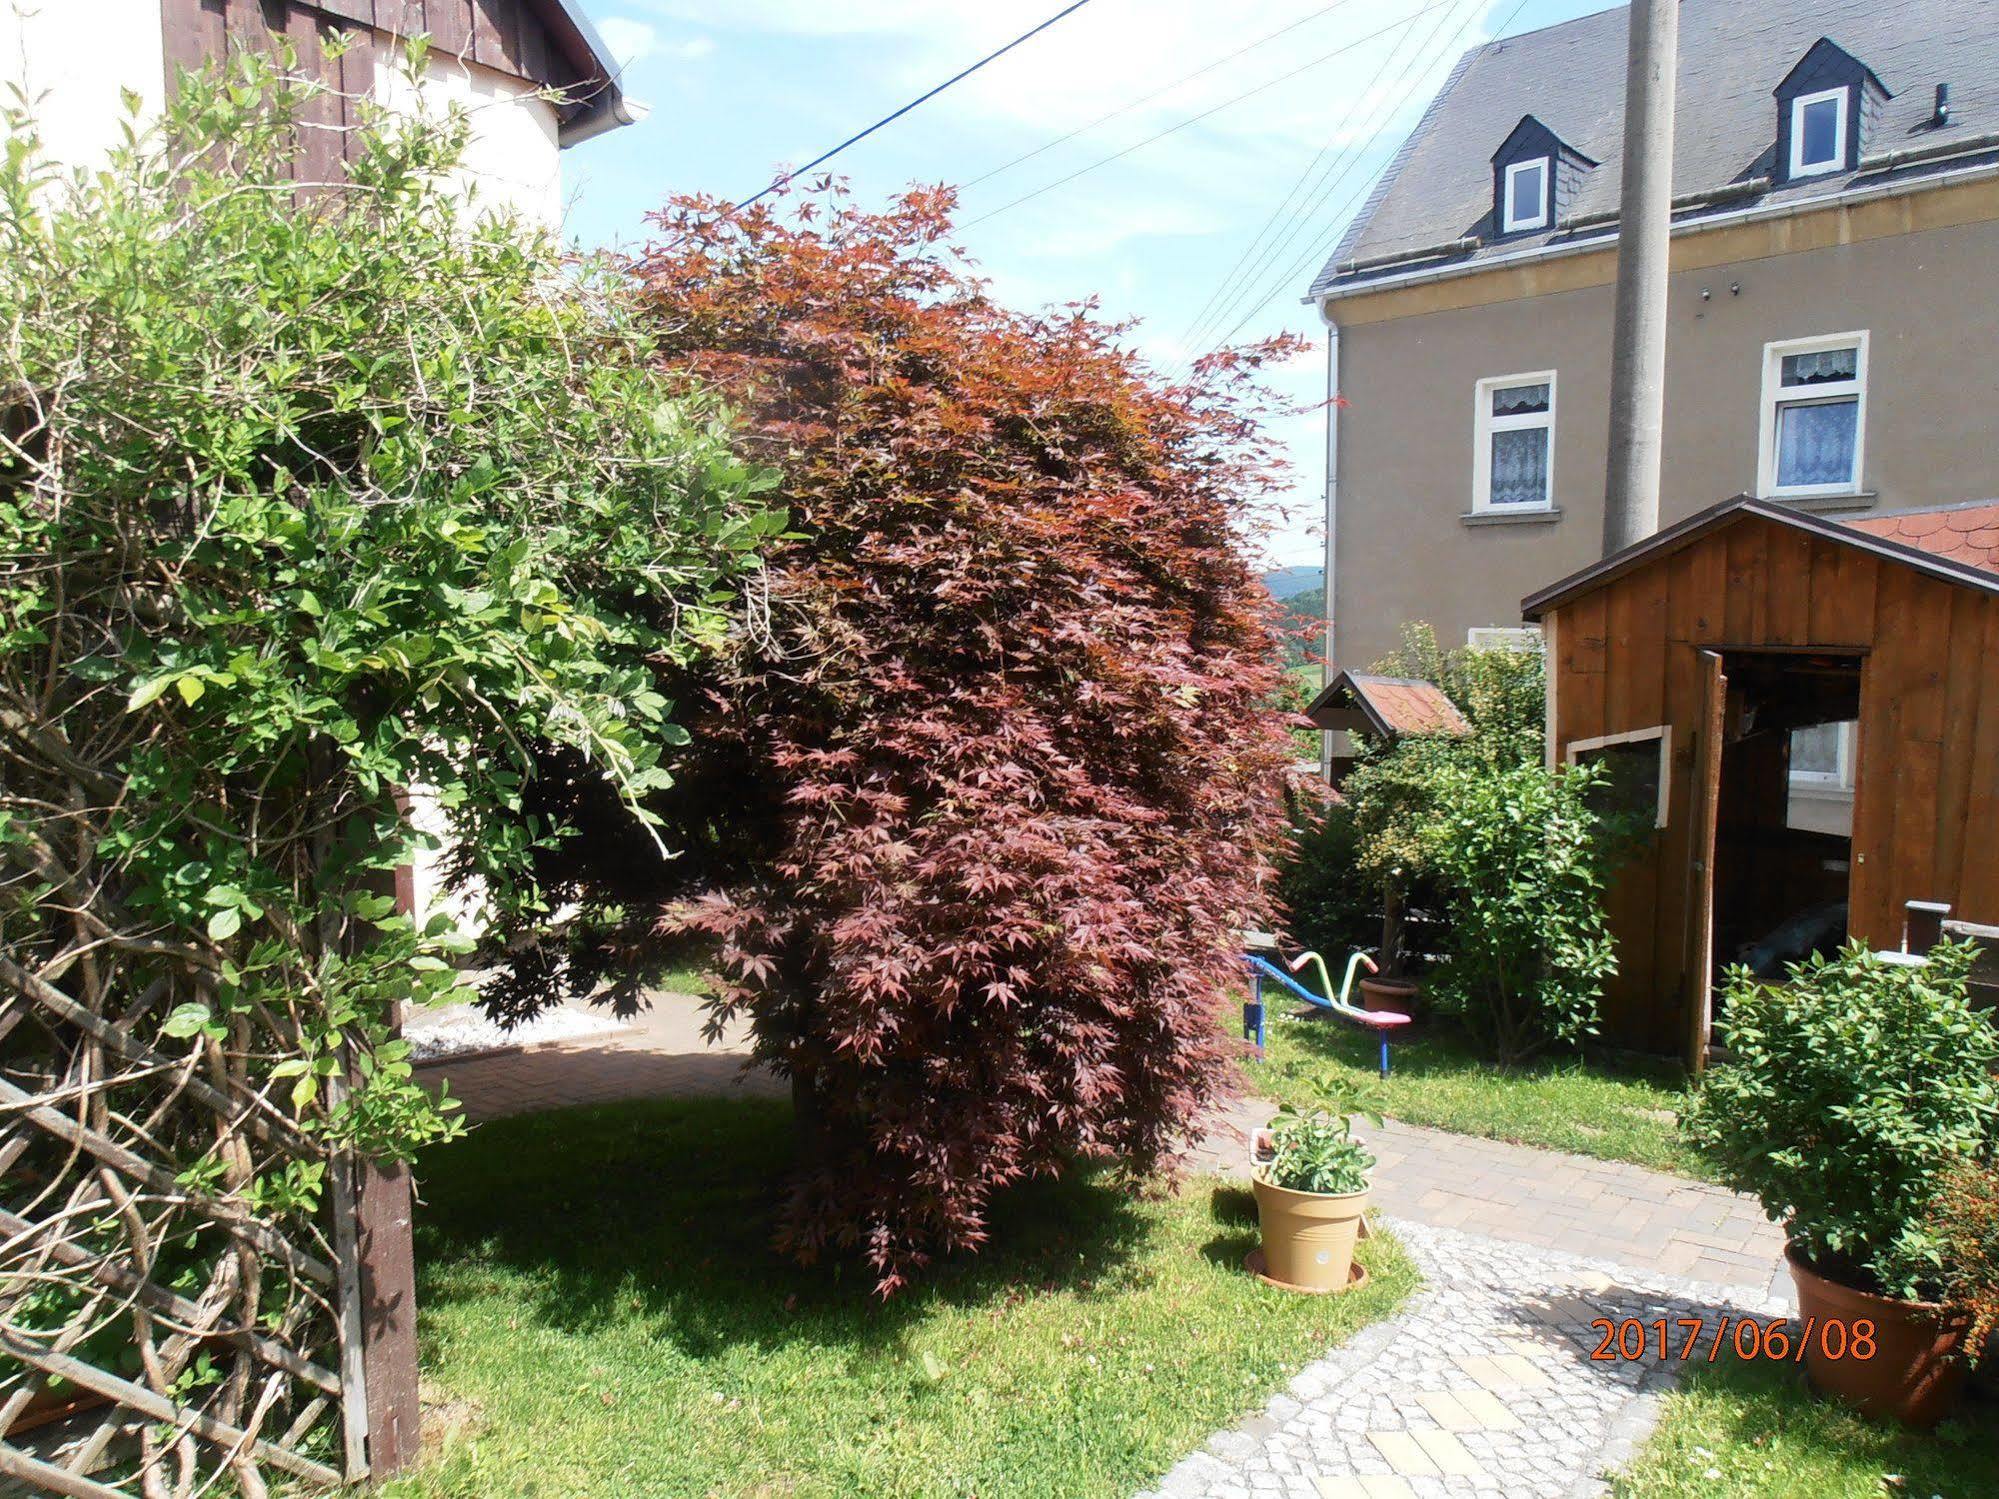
(1833, 305)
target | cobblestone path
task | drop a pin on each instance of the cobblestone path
(1484, 1384)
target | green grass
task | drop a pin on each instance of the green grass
(600, 1315)
(1755, 1430)
(1436, 1079)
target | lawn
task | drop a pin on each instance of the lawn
(1436, 1079)
(1755, 1430)
(600, 1315)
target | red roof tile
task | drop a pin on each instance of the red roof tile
(1963, 533)
(1409, 707)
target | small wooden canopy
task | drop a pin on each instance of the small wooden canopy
(1387, 707)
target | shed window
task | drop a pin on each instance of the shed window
(1632, 797)
(1818, 133)
(1515, 419)
(1526, 196)
(1814, 409)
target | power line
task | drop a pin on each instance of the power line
(889, 119)
(1196, 119)
(1328, 184)
(1299, 192)
(1320, 248)
(1128, 107)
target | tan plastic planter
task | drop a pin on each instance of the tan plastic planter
(1308, 1237)
(1917, 1370)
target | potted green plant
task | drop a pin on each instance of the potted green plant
(1853, 1093)
(1311, 1182)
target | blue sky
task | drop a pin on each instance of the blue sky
(743, 88)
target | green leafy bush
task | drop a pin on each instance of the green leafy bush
(1964, 1221)
(1851, 1091)
(1526, 948)
(1313, 1150)
(1393, 794)
(308, 496)
(1332, 909)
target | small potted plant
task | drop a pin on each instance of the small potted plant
(1856, 1092)
(1311, 1182)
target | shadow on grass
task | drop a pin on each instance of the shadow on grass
(661, 1212)
(1235, 1208)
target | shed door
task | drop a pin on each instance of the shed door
(1707, 748)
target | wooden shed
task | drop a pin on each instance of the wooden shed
(1705, 664)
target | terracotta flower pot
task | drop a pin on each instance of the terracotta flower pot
(1918, 1366)
(1308, 1237)
(1396, 995)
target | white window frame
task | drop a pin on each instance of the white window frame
(1774, 399)
(1484, 424)
(1520, 639)
(1510, 222)
(1839, 783)
(1662, 732)
(1799, 166)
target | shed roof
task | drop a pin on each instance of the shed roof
(1939, 550)
(1391, 706)
(1732, 57)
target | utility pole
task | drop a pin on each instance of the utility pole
(1644, 243)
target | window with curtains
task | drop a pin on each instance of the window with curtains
(1814, 415)
(1513, 462)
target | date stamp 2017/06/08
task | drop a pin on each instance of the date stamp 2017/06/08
(1782, 1339)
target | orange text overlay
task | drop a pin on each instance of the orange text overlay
(1784, 1339)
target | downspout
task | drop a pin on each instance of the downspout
(1332, 506)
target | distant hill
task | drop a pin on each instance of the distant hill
(1287, 581)
(1307, 607)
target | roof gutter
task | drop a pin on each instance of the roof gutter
(1690, 226)
(605, 108)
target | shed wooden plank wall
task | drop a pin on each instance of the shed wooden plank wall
(1926, 811)
(503, 35)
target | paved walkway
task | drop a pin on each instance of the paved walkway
(1483, 1384)
(1545, 1199)
(1486, 1382)
(658, 1053)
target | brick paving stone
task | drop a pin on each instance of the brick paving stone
(661, 1052)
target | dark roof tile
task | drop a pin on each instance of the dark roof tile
(1732, 57)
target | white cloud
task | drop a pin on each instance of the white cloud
(630, 41)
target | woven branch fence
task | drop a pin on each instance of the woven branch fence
(159, 1333)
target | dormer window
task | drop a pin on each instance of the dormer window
(1535, 176)
(1526, 204)
(1818, 133)
(1825, 107)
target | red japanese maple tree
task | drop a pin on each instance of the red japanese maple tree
(985, 792)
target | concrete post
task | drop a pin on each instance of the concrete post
(1638, 350)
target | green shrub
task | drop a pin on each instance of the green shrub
(1526, 949)
(1964, 1219)
(304, 498)
(1314, 1151)
(1851, 1092)
(1332, 909)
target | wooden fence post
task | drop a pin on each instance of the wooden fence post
(388, 1318)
